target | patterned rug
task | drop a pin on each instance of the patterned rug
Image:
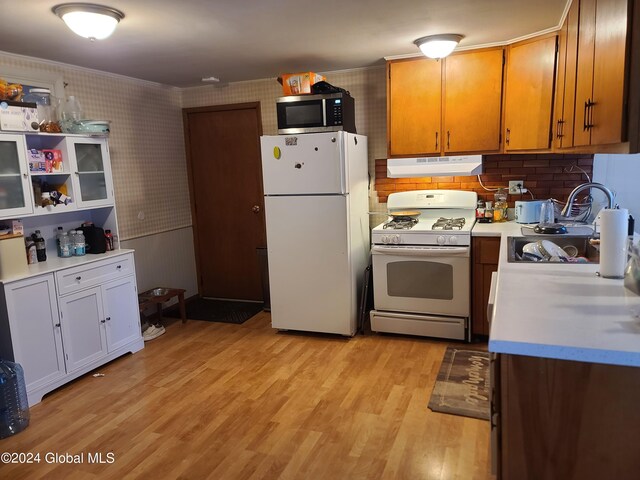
(226, 311)
(462, 386)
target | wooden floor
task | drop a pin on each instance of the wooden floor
(220, 401)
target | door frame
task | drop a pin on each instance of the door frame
(187, 145)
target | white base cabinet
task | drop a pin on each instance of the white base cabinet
(59, 330)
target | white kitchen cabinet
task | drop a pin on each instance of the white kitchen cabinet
(65, 316)
(30, 330)
(56, 336)
(15, 191)
(91, 171)
(120, 298)
(82, 318)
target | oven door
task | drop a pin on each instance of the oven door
(421, 279)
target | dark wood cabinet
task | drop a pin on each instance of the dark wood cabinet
(565, 100)
(560, 419)
(484, 252)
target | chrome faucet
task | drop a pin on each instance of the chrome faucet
(566, 211)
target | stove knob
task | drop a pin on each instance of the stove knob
(385, 239)
(396, 239)
(453, 240)
(441, 240)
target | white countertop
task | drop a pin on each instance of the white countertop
(54, 264)
(561, 311)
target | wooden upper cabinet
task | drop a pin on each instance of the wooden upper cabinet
(607, 115)
(529, 94)
(600, 117)
(472, 101)
(413, 107)
(566, 79)
(445, 106)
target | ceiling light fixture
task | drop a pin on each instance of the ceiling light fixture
(438, 46)
(94, 22)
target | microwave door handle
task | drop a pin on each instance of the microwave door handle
(324, 112)
(422, 252)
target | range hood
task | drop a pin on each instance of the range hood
(462, 165)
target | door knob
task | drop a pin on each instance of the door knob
(255, 209)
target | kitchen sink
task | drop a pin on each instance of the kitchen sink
(588, 253)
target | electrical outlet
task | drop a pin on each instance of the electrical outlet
(516, 187)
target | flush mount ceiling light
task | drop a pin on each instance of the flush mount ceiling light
(94, 22)
(438, 46)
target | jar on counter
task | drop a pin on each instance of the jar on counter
(500, 205)
(47, 117)
(488, 212)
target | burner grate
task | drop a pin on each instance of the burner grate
(448, 224)
(401, 223)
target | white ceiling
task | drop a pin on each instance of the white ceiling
(179, 42)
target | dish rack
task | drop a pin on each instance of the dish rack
(579, 211)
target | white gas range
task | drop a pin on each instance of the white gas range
(421, 264)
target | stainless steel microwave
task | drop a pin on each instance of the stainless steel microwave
(327, 112)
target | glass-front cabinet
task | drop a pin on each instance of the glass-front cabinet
(48, 174)
(92, 177)
(15, 194)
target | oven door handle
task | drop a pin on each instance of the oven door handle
(422, 251)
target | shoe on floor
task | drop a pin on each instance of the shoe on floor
(154, 331)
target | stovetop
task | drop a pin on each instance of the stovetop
(436, 224)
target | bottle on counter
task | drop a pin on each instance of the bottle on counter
(480, 209)
(72, 242)
(80, 245)
(65, 245)
(32, 255)
(500, 205)
(108, 236)
(488, 212)
(58, 236)
(41, 247)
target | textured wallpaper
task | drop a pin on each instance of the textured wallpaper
(147, 142)
(367, 86)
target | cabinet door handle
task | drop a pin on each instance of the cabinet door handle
(25, 175)
(448, 139)
(508, 136)
(108, 319)
(436, 140)
(560, 129)
(102, 321)
(118, 267)
(591, 104)
(585, 118)
(57, 325)
(78, 278)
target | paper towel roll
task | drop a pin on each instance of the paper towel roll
(614, 224)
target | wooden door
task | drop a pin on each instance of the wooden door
(584, 71)
(606, 116)
(225, 172)
(529, 94)
(414, 106)
(472, 100)
(566, 79)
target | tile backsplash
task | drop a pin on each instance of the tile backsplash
(544, 175)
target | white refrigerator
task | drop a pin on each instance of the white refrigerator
(316, 208)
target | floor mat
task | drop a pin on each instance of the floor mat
(226, 311)
(462, 386)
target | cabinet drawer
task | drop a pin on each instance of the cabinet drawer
(77, 278)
